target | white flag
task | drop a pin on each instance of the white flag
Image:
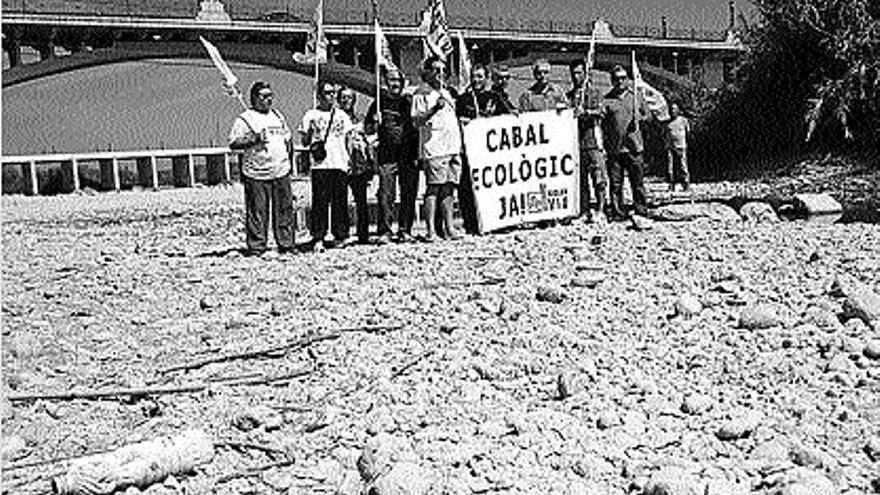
(591, 53)
(383, 50)
(435, 31)
(316, 42)
(464, 64)
(230, 81)
(653, 99)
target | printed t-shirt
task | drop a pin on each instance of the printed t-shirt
(268, 160)
(440, 135)
(314, 124)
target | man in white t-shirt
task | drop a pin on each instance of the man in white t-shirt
(262, 134)
(331, 126)
(433, 113)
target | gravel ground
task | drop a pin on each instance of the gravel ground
(707, 356)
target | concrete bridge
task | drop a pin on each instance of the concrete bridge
(113, 31)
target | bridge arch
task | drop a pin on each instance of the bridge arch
(259, 54)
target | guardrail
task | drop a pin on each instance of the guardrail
(289, 11)
(117, 170)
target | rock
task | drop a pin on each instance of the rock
(802, 481)
(816, 204)
(693, 211)
(589, 280)
(872, 449)
(641, 224)
(741, 425)
(208, 302)
(861, 301)
(822, 318)
(13, 447)
(672, 481)
(688, 305)
(607, 419)
(724, 487)
(568, 384)
(807, 457)
(696, 404)
(550, 294)
(258, 416)
(404, 478)
(872, 349)
(758, 212)
(759, 316)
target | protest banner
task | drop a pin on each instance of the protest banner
(524, 168)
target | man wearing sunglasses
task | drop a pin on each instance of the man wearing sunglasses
(624, 145)
(543, 95)
(262, 134)
(500, 82)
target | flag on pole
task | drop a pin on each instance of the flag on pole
(591, 53)
(464, 64)
(230, 81)
(653, 99)
(316, 42)
(383, 50)
(435, 30)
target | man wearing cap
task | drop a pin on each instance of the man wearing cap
(396, 162)
(265, 139)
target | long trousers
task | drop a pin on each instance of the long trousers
(329, 191)
(466, 201)
(358, 185)
(385, 197)
(634, 166)
(677, 166)
(261, 197)
(408, 180)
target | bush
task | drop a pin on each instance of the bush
(811, 78)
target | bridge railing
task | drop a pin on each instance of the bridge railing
(288, 11)
(117, 170)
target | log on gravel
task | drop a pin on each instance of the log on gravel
(138, 465)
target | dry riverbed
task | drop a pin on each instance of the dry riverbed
(708, 356)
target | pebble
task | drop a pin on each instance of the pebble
(607, 419)
(673, 481)
(550, 294)
(759, 316)
(688, 305)
(872, 349)
(758, 212)
(741, 425)
(696, 404)
(208, 302)
(872, 449)
(12, 448)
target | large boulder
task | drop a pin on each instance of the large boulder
(816, 204)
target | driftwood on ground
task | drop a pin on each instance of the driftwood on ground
(287, 346)
(158, 390)
(139, 465)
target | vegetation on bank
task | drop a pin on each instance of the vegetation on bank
(809, 82)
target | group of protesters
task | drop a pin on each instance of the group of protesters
(420, 132)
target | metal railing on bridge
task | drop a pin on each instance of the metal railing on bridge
(286, 11)
(118, 170)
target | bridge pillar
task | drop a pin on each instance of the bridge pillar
(182, 171)
(147, 175)
(69, 176)
(218, 169)
(13, 50)
(411, 59)
(29, 173)
(47, 47)
(109, 174)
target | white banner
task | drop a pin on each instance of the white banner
(524, 168)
